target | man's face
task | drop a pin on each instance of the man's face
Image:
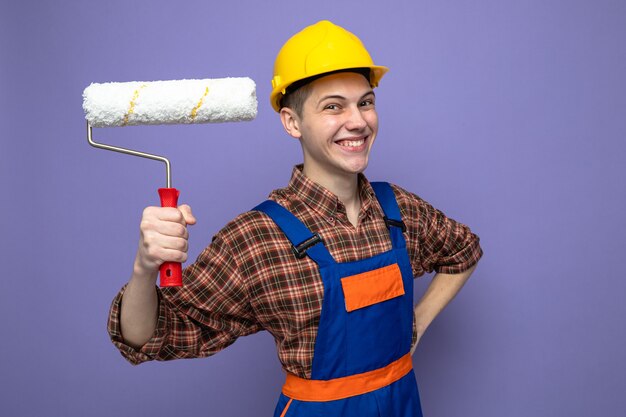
(338, 126)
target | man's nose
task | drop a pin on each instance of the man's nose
(355, 120)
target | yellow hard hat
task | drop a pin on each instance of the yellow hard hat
(318, 49)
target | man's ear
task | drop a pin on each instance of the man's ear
(291, 122)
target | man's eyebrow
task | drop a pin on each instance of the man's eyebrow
(371, 92)
(340, 97)
(331, 96)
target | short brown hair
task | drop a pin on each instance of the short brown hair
(295, 99)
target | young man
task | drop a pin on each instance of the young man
(326, 265)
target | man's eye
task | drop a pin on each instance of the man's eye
(367, 102)
(331, 107)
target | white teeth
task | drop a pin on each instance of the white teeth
(351, 143)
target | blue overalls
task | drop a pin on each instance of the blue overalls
(361, 363)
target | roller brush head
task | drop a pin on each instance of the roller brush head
(170, 102)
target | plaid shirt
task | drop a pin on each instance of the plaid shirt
(248, 279)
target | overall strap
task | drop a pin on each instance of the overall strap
(393, 219)
(303, 241)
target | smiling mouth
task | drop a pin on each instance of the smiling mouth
(350, 143)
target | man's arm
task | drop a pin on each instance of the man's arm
(163, 239)
(442, 289)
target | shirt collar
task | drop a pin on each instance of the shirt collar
(322, 200)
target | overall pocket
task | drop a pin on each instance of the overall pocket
(372, 287)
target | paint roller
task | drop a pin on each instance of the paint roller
(167, 102)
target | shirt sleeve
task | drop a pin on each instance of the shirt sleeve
(435, 241)
(201, 318)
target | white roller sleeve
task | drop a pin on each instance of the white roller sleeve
(170, 102)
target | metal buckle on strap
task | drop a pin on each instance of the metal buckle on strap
(300, 250)
(396, 223)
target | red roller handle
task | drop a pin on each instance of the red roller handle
(171, 272)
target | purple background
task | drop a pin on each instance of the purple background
(508, 115)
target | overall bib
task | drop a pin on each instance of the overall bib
(361, 363)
